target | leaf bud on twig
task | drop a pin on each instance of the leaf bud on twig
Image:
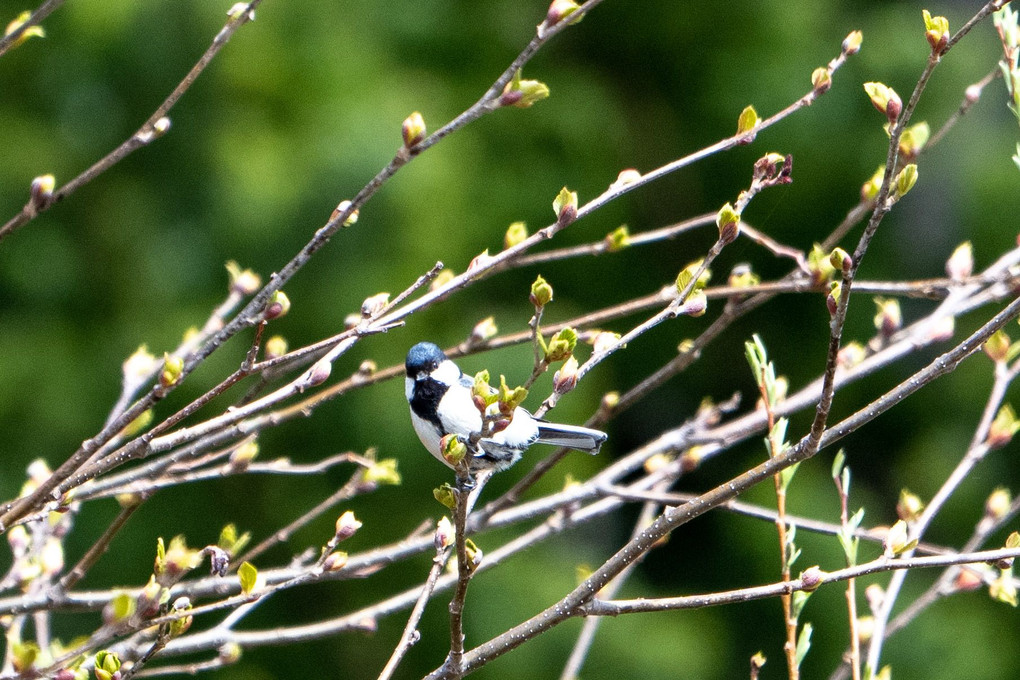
(565, 206)
(346, 526)
(41, 193)
(936, 32)
(515, 233)
(413, 130)
(278, 305)
(565, 379)
(885, 99)
(541, 292)
(960, 264)
(340, 209)
(821, 80)
(852, 43)
(173, 367)
(747, 121)
(523, 93)
(35, 31)
(1003, 427)
(728, 221)
(242, 281)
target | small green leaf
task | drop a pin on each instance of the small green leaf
(444, 494)
(803, 643)
(618, 239)
(248, 575)
(798, 600)
(383, 472)
(748, 120)
(837, 464)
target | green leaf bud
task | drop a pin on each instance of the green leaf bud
(341, 208)
(541, 293)
(747, 121)
(35, 31)
(960, 264)
(852, 43)
(173, 368)
(618, 239)
(728, 221)
(1003, 427)
(247, 575)
(561, 345)
(516, 233)
(453, 449)
(383, 472)
(413, 130)
(936, 32)
(913, 140)
(279, 305)
(242, 281)
(445, 495)
(523, 93)
(821, 80)
(565, 206)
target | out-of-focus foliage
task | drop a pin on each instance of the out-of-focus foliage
(305, 105)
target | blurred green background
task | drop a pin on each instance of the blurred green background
(304, 106)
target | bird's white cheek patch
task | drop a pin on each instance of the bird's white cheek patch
(447, 373)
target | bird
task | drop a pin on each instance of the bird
(441, 403)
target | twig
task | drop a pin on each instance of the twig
(410, 635)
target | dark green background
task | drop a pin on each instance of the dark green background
(305, 105)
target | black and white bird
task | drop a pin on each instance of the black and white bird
(441, 403)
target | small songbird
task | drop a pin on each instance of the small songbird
(441, 403)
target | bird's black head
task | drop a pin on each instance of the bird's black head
(424, 357)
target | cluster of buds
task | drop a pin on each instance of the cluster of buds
(453, 448)
(773, 169)
(560, 346)
(174, 561)
(565, 379)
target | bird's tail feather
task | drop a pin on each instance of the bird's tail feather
(571, 436)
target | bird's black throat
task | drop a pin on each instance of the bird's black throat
(425, 399)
